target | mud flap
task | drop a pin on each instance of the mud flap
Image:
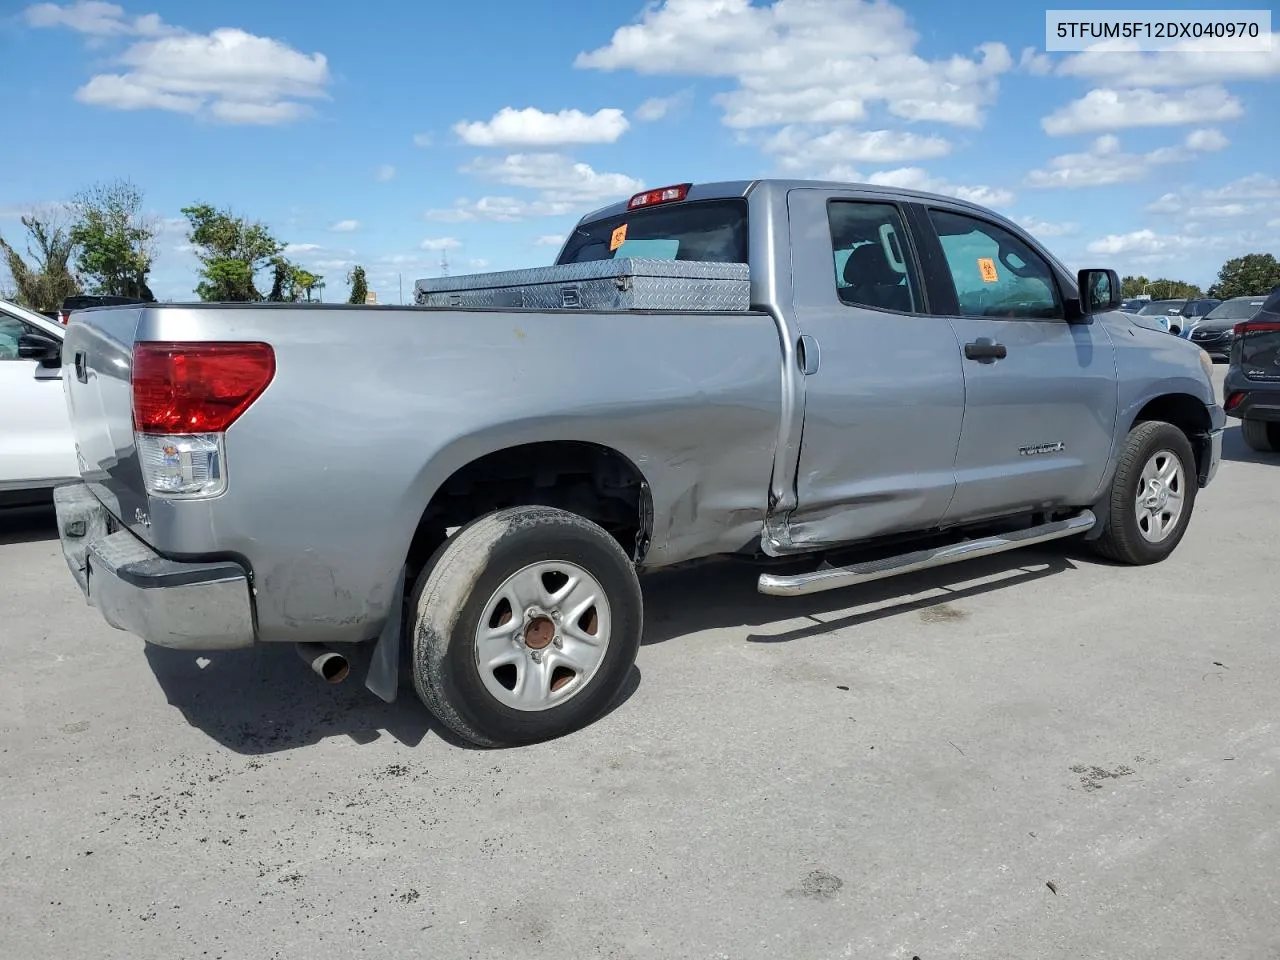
(383, 678)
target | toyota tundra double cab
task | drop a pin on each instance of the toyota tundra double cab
(862, 379)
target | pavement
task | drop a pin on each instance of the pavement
(1036, 755)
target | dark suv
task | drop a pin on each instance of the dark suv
(1252, 386)
(87, 301)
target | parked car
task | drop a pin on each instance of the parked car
(879, 379)
(1133, 304)
(36, 447)
(1192, 312)
(88, 301)
(1252, 385)
(1214, 333)
(1162, 312)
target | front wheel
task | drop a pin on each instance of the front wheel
(1261, 435)
(1152, 495)
(525, 626)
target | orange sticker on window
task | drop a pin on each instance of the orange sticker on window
(987, 267)
(619, 237)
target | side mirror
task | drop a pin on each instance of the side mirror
(37, 346)
(1099, 291)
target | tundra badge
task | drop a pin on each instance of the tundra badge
(1035, 449)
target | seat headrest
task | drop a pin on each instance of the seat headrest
(869, 265)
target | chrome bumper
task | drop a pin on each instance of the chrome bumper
(185, 606)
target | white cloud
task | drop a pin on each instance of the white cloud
(797, 61)
(655, 108)
(1247, 199)
(293, 249)
(1145, 242)
(384, 173)
(1105, 163)
(556, 176)
(532, 127)
(1035, 63)
(801, 148)
(915, 178)
(229, 75)
(501, 210)
(1112, 109)
(422, 140)
(95, 19)
(1274, 223)
(1044, 228)
(478, 263)
(441, 243)
(549, 240)
(346, 226)
(1187, 66)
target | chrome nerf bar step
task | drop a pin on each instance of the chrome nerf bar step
(833, 578)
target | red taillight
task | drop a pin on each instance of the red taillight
(64, 316)
(1255, 326)
(1233, 401)
(660, 195)
(197, 387)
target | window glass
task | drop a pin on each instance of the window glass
(995, 273)
(710, 231)
(11, 330)
(872, 260)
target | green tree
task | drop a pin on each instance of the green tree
(231, 251)
(306, 283)
(359, 285)
(114, 239)
(1133, 286)
(1249, 276)
(49, 279)
(1163, 289)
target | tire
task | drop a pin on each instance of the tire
(1261, 436)
(563, 672)
(1152, 450)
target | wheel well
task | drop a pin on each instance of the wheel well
(1184, 412)
(586, 479)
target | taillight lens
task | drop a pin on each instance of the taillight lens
(188, 388)
(1255, 326)
(648, 198)
(185, 395)
(1233, 401)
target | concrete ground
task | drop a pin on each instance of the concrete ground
(1033, 756)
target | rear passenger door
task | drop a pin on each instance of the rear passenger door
(884, 396)
(1040, 393)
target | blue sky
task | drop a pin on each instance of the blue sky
(389, 132)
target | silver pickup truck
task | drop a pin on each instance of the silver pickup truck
(858, 381)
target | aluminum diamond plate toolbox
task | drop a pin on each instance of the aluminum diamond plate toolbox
(624, 284)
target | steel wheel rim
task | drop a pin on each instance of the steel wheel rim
(1161, 496)
(542, 635)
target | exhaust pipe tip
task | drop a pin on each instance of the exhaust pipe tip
(329, 665)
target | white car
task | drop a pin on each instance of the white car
(37, 449)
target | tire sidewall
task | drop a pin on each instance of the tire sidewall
(1170, 438)
(453, 669)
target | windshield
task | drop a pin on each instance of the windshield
(1162, 306)
(1240, 309)
(713, 231)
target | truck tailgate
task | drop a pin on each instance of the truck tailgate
(97, 360)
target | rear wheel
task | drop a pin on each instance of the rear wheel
(1261, 435)
(525, 626)
(1152, 495)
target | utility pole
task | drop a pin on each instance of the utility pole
(444, 263)
(400, 283)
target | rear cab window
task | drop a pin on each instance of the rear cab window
(705, 231)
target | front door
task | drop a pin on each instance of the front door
(882, 410)
(35, 430)
(1040, 393)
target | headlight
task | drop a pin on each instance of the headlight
(1206, 361)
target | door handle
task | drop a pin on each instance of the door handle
(985, 351)
(809, 354)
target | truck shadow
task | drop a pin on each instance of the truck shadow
(264, 700)
(1236, 450)
(724, 594)
(27, 524)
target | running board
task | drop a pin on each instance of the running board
(833, 578)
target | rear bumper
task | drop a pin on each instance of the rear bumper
(1260, 399)
(185, 606)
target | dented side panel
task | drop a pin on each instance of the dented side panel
(371, 410)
